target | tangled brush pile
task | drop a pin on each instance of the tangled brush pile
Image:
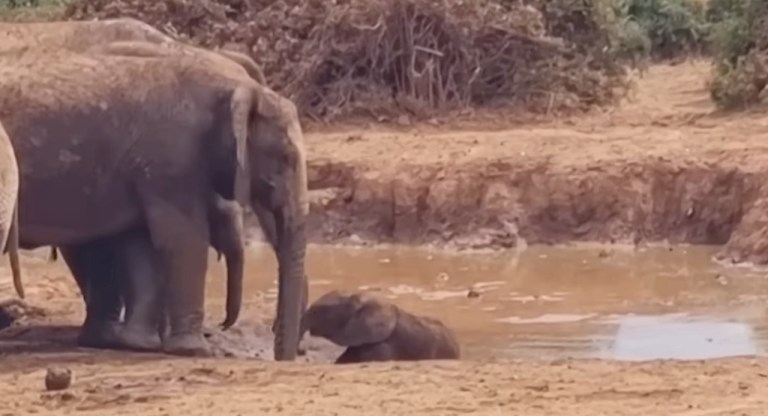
(382, 58)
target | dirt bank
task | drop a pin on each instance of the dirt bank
(663, 166)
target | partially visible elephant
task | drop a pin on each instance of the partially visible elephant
(373, 330)
(120, 143)
(9, 193)
(79, 36)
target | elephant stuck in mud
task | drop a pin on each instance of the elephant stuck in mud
(373, 330)
(9, 218)
(137, 145)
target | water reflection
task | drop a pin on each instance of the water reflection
(676, 337)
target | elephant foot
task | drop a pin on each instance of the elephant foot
(139, 339)
(189, 345)
(102, 336)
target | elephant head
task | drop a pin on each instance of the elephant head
(350, 320)
(271, 181)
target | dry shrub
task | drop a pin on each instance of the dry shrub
(385, 57)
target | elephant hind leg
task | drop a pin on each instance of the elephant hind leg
(142, 290)
(92, 266)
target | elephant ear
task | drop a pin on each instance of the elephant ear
(373, 322)
(282, 111)
(242, 107)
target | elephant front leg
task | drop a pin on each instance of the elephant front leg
(179, 233)
(92, 266)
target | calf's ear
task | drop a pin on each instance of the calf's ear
(372, 322)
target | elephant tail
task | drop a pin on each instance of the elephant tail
(13, 252)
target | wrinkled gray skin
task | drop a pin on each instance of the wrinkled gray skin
(373, 330)
(82, 36)
(9, 192)
(102, 156)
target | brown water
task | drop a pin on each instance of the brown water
(580, 301)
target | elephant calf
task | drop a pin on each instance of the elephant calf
(373, 330)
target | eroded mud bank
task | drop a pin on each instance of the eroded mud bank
(493, 205)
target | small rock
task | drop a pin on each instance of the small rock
(603, 254)
(58, 379)
(472, 293)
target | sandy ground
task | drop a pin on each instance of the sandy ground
(419, 185)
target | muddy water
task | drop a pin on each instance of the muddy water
(580, 301)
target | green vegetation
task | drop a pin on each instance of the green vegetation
(28, 10)
(739, 37)
(660, 28)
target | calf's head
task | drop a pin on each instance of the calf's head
(350, 319)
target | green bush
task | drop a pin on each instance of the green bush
(672, 27)
(738, 41)
(719, 10)
(738, 86)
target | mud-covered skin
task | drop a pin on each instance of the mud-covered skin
(88, 114)
(373, 330)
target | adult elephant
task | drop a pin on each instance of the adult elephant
(9, 192)
(121, 142)
(81, 36)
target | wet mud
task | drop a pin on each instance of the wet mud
(582, 301)
(585, 301)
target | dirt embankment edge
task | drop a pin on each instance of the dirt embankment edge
(493, 204)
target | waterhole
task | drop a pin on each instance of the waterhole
(580, 301)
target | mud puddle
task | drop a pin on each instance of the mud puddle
(577, 301)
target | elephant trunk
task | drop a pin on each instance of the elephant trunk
(235, 268)
(291, 250)
(13, 252)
